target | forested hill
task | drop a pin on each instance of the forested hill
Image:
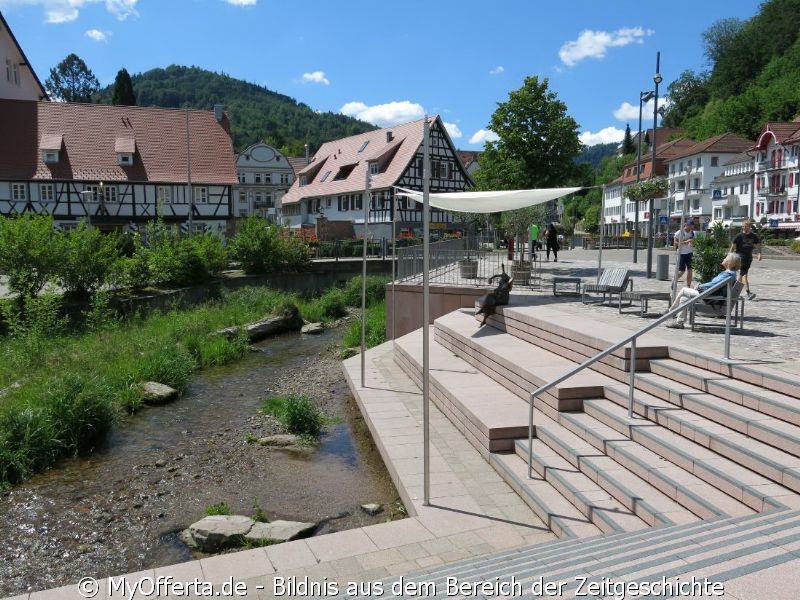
(256, 113)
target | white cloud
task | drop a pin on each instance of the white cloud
(482, 136)
(315, 77)
(242, 2)
(97, 35)
(66, 11)
(453, 130)
(497, 70)
(630, 112)
(594, 44)
(604, 136)
(384, 115)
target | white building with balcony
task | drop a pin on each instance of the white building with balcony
(777, 190)
(264, 175)
(691, 175)
(733, 192)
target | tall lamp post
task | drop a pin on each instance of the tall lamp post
(87, 199)
(644, 97)
(656, 79)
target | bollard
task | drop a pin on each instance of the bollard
(662, 267)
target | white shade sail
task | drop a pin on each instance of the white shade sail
(489, 202)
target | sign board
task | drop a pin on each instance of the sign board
(773, 222)
(663, 220)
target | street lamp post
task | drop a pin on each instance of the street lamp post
(644, 97)
(656, 79)
(87, 197)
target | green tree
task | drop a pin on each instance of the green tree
(628, 147)
(29, 253)
(123, 90)
(538, 142)
(72, 81)
(86, 259)
(688, 95)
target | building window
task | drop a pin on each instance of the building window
(110, 193)
(285, 178)
(51, 156)
(47, 192)
(242, 178)
(267, 177)
(714, 161)
(125, 159)
(164, 194)
(200, 195)
(18, 191)
(242, 198)
(8, 70)
(302, 180)
(258, 177)
(374, 168)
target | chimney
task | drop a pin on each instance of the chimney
(219, 112)
(389, 137)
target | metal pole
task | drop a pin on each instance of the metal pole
(394, 263)
(426, 313)
(633, 377)
(643, 97)
(657, 79)
(364, 282)
(189, 174)
(602, 228)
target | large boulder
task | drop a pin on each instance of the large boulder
(279, 531)
(290, 320)
(157, 393)
(213, 533)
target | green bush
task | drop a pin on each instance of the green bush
(709, 250)
(30, 252)
(297, 413)
(87, 256)
(261, 247)
(376, 290)
(795, 246)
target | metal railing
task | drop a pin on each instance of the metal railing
(621, 344)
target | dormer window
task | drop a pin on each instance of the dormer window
(50, 146)
(125, 147)
(303, 180)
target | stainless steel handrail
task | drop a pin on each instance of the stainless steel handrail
(632, 340)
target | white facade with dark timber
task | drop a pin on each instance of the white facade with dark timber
(333, 185)
(116, 166)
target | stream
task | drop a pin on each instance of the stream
(120, 510)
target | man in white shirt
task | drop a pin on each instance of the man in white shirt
(684, 242)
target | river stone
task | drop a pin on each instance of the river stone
(371, 509)
(157, 393)
(312, 328)
(209, 534)
(279, 531)
(279, 439)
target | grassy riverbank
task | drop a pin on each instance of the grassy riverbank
(62, 387)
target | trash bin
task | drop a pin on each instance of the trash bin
(662, 267)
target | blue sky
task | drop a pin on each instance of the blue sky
(391, 62)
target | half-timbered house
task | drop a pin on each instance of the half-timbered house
(116, 166)
(332, 186)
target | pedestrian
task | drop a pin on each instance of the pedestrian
(731, 262)
(744, 244)
(684, 242)
(551, 241)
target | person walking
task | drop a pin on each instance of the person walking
(731, 262)
(684, 242)
(744, 244)
(551, 241)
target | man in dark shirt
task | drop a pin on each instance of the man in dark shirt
(744, 244)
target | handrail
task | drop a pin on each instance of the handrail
(632, 340)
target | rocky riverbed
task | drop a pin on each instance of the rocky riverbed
(121, 509)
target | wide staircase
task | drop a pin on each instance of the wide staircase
(709, 441)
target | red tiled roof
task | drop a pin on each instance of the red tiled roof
(782, 132)
(353, 153)
(297, 163)
(90, 134)
(728, 143)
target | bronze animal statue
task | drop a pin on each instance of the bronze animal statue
(499, 296)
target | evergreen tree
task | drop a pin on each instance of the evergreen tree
(123, 89)
(72, 81)
(628, 147)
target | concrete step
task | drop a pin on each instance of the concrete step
(654, 489)
(594, 502)
(675, 482)
(775, 404)
(561, 516)
(486, 413)
(748, 485)
(745, 420)
(721, 549)
(514, 363)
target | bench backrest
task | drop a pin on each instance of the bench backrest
(717, 305)
(614, 277)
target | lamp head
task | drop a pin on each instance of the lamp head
(657, 78)
(646, 96)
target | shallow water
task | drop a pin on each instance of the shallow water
(118, 510)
